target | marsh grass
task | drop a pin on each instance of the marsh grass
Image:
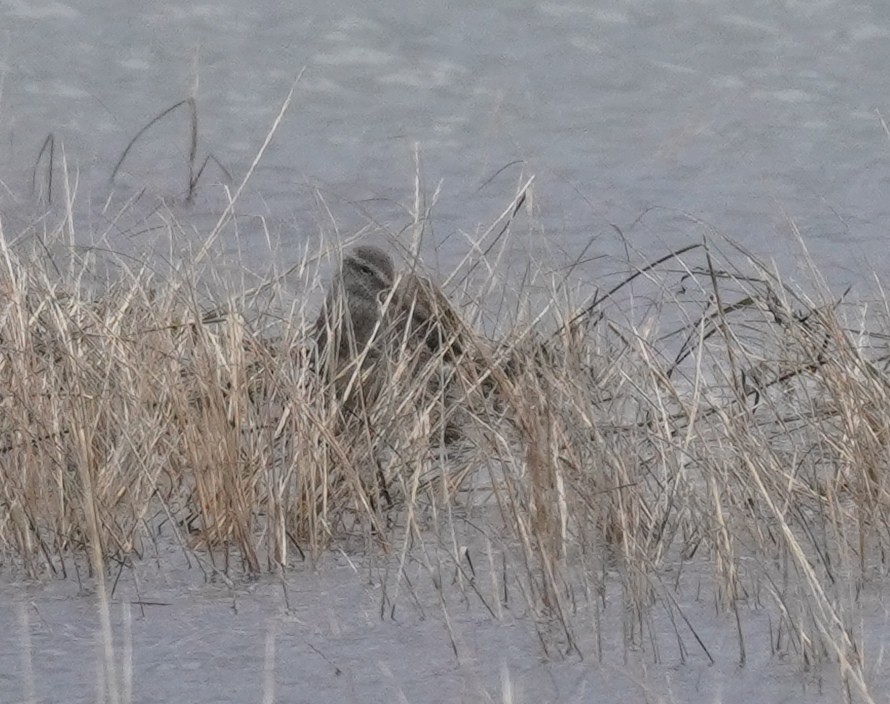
(586, 449)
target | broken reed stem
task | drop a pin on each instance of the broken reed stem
(87, 466)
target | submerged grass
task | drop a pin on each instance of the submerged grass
(581, 448)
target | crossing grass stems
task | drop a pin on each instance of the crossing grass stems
(568, 451)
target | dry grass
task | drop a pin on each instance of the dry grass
(752, 439)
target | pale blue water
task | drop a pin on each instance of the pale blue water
(747, 117)
(347, 638)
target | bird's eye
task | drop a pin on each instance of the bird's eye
(366, 269)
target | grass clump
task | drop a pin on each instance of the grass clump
(748, 444)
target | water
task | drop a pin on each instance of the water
(336, 637)
(664, 120)
(643, 115)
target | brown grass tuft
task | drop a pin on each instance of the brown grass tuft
(750, 440)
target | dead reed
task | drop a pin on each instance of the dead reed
(753, 439)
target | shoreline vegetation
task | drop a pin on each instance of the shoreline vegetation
(585, 449)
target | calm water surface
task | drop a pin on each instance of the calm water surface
(353, 632)
(666, 119)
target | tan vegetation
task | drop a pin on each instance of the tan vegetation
(752, 439)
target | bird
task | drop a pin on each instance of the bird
(353, 306)
(386, 335)
(425, 318)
